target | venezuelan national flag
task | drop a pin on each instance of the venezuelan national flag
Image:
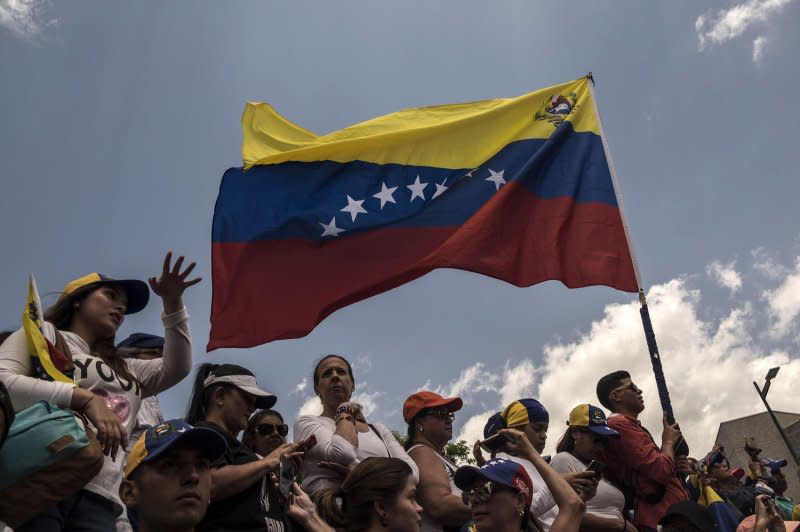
(518, 189)
(49, 362)
(720, 511)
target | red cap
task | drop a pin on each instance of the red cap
(420, 401)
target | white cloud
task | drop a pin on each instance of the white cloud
(725, 275)
(311, 407)
(709, 365)
(784, 303)
(759, 46)
(728, 24)
(765, 264)
(301, 386)
(25, 17)
(473, 379)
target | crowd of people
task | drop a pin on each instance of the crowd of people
(227, 465)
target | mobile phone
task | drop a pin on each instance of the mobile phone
(306, 445)
(597, 468)
(493, 444)
(287, 473)
(770, 505)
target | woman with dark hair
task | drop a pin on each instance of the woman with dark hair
(581, 444)
(343, 435)
(243, 496)
(379, 494)
(430, 426)
(499, 493)
(265, 432)
(107, 389)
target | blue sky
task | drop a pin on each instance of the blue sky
(119, 119)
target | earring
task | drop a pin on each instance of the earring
(76, 306)
(384, 521)
(422, 429)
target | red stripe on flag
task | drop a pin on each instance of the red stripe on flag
(278, 289)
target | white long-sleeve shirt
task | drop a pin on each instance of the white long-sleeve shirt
(331, 447)
(122, 396)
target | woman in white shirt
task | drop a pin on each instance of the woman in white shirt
(107, 388)
(581, 444)
(344, 437)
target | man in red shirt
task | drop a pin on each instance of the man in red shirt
(634, 460)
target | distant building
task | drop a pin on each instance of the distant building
(731, 434)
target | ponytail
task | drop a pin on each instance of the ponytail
(330, 505)
(410, 434)
(199, 397)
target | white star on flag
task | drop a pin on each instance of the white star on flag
(440, 188)
(469, 174)
(330, 229)
(354, 208)
(496, 178)
(417, 189)
(385, 195)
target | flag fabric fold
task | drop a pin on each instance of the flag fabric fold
(518, 189)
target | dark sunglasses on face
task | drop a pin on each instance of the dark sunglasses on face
(441, 413)
(483, 493)
(265, 429)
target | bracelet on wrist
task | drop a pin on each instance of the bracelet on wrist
(85, 405)
(345, 409)
(344, 415)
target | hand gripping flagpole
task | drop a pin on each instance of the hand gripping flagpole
(681, 448)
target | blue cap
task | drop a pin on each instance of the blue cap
(143, 340)
(502, 471)
(157, 440)
(494, 424)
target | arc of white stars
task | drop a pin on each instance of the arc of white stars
(417, 189)
(330, 229)
(385, 195)
(354, 207)
(496, 178)
(440, 189)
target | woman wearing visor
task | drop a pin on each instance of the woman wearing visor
(243, 496)
(430, 426)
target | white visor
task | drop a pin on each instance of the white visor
(246, 383)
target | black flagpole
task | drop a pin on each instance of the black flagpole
(681, 448)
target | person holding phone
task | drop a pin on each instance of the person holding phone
(580, 449)
(343, 435)
(430, 426)
(243, 494)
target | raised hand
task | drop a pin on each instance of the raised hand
(172, 283)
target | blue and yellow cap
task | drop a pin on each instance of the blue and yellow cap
(157, 440)
(137, 291)
(524, 411)
(591, 417)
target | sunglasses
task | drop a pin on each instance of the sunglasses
(483, 493)
(630, 386)
(440, 413)
(265, 429)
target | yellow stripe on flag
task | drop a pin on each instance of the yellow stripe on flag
(32, 323)
(444, 136)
